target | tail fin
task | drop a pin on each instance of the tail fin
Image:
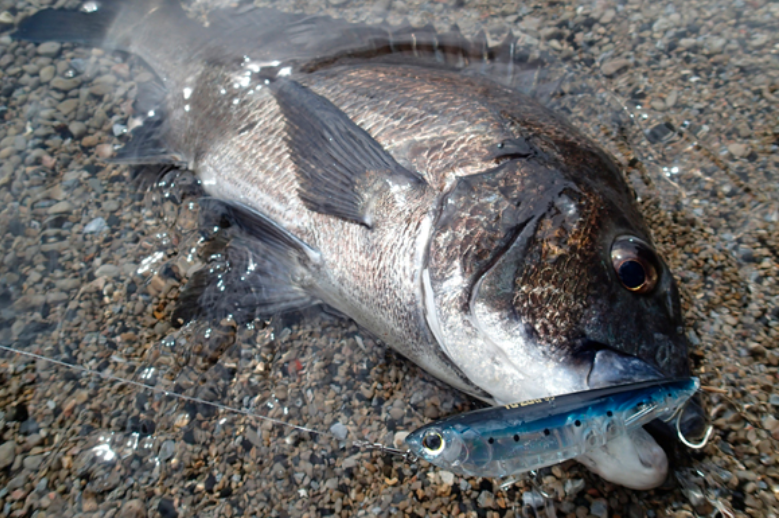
(85, 28)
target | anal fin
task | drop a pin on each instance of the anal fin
(261, 271)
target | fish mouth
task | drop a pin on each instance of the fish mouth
(610, 368)
(639, 460)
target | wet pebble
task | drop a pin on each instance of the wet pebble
(61, 207)
(32, 462)
(47, 73)
(167, 450)
(612, 67)
(134, 508)
(738, 150)
(95, 226)
(68, 106)
(7, 454)
(65, 84)
(49, 48)
(599, 507)
(339, 430)
(107, 270)
(78, 129)
(104, 150)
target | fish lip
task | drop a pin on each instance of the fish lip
(609, 367)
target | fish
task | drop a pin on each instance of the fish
(503, 441)
(399, 177)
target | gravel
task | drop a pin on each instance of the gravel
(92, 266)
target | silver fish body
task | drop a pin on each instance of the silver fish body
(455, 218)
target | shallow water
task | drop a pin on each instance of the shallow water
(133, 412)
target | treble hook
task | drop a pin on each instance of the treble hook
(694, 446)
(405, 454)
(538, 487)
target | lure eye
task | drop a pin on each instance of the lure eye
(433, 443)
(635, 264)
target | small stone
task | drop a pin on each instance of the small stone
(68, 106)
(658, 105)
(61, 207)
(339, 430)
(349, 462)
(607, 17)
(663, 24)
(95, 226)
(486, 500)
(118, 129)
(49, 49)
(399, 439)
(66, 85)
(7, 454)
(90, 141)
(688, 43)
(133, 509)
(447, 477)
(167, 450)
(744, 475)
(599, 507)
(533, 498)
(32, 462)
(739, 150)
(20, 143)
(34, 440)
(278, 471)
(714, 45)
(42, 485)
(770, 424)
(614, 66)
(104, 150)
(397, 413)
(47, 73)
(759, 40)
(573, 486)
(671, 99)
(107, 270)
(77, 129)
(6, 18)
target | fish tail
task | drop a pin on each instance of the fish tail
(109, 24)
(82, 27)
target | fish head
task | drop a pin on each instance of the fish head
(455, 448)
(542, 281)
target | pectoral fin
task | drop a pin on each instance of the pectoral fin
(340, 167)
(260, 271)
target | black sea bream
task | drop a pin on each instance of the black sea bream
(386, 176)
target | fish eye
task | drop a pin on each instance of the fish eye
(433, 443)
(635, 264)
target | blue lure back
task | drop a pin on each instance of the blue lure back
(502, 441)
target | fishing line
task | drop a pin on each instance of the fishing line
(111, 377)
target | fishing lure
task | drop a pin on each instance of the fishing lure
(502, 441)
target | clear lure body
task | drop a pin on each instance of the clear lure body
(502, 441)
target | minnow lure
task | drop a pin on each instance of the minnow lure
(502, 441)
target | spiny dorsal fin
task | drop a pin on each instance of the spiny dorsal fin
(340, 166)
